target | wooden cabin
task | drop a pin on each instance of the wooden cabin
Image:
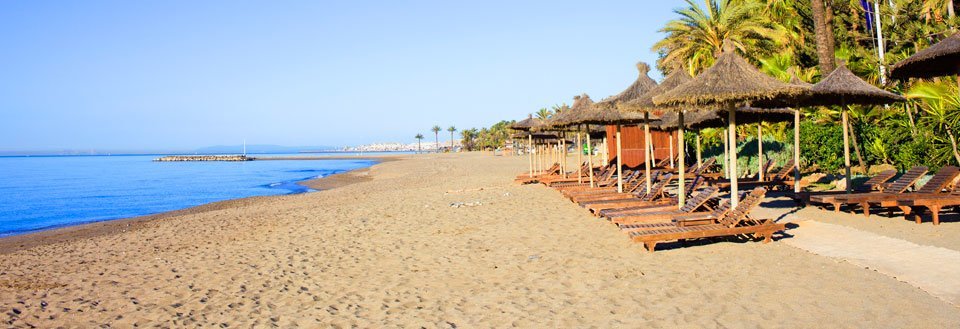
(632, 144)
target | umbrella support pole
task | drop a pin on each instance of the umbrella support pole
(726, 154)
(796, 151)
(732, 138)
(530, 154)
(699, 154)
(590, 158)
(760, 150)
(681, 194)
(672, 155)
(619, 162)
(579, 149)
(648, 152)
(846, 148)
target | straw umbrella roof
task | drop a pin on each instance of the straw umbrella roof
(644, 103)
(553, 122)
(607, 112)
(582, 104)
(641, 86)
(526, 124)
(732, 80)
(941, 59)
(713, 119)
(843, 87)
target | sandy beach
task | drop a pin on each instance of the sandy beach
(439, 241)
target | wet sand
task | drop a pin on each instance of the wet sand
(385, 248)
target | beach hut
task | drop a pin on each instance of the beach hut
(842, 87)
(730, 83)
(940, 59)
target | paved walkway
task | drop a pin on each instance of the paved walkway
(933, 269)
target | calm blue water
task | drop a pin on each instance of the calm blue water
(44, 192)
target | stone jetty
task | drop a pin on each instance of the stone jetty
(178, 158)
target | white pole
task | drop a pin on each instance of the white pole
(880, 47)
(244, 147)
(732, 138)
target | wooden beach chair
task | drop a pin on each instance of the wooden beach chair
(657, 197)
(527, 179)
(940, 181)
(696, 204)
(602, 175)
(656, 191)
(734, 223)
(875, 183)
(748, 202)
(933, 203)
(636, 182)
(901, 185)
(583, 170)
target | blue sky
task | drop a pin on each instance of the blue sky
(176, 75)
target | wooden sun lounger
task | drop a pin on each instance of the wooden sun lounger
(875, 183)
(907, 180)
(934, 187)
(527, 179)
(690, 189)
(639, 197)
(636, 182)
(736, 222)
(749, 201)
(783, 177)
(601, 177)
(584, 170)
(933, 203)
(667, 213)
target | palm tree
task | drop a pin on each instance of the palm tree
(543, 113)
(937, 7)
(436, 135)
(822, 12)
(452, 129)
(696, 38)
(419, 138)
(941, 106)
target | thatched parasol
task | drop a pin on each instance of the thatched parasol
(607, 112)
(941, 59)
(645, 104)
(842, 87)
(526, 124)
(729, 83)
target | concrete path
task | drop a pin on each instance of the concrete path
(933, 269)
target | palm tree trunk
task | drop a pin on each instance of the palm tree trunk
(436, 139)
(913, 125)
(822, 11)
(950, 11)
(953, 143)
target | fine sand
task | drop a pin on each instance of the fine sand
(390, 250)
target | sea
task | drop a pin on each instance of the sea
(45, 192)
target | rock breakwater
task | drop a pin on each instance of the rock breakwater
(177, 158)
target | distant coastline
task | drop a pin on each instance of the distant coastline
(13, 243)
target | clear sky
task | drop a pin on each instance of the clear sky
(177, 75)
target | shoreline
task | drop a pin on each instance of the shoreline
(18, 242)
